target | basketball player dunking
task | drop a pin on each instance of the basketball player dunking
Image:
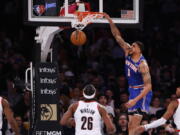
(138, 76)
(172, 110)
(5, 108)
(88, 115)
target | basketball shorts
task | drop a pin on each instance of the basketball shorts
(142, 106)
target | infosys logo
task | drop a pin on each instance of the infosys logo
(47, 70)
(48, 91)
(47, 80)
(48, 133)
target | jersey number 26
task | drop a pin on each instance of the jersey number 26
(87, 123)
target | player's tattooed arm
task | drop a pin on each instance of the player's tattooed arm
(117, 35)
(144, 69)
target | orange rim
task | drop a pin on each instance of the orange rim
(82, 15)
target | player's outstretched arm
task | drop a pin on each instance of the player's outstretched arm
(9, 115)
(116, 33)
(167, 115)
(67, 119)
(109, 125)
(171, 109)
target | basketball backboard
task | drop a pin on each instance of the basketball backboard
(60, 12)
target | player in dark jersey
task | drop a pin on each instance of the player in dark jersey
(138, 76)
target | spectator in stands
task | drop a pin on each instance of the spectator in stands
(122, 98)
(166, 102)
(23, 106)
(109, 94)
(122, 83)
(103, 100)
(75, 95)
(143, 122)
(19, 121)
(14, 94)
(155, 106)
(122, 124)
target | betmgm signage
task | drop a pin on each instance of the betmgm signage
(46, 100)
(48, 133)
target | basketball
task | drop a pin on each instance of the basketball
(78, 38)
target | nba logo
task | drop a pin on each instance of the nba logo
(39, 9)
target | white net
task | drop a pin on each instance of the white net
(80, 22)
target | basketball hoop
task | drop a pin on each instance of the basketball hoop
(82, 19)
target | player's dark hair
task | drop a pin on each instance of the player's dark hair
(141, 45)
(89, 89)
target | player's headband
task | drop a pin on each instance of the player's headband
(89, 89)
(89, 97)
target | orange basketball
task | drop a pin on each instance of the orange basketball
(78, 37)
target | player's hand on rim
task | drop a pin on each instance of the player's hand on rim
(106, 16)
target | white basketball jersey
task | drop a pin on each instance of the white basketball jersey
(1, 113)
(176, 116)
(87, 118)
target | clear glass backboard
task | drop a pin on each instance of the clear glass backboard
(61, 12)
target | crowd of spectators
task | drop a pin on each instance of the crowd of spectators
(100, 62)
